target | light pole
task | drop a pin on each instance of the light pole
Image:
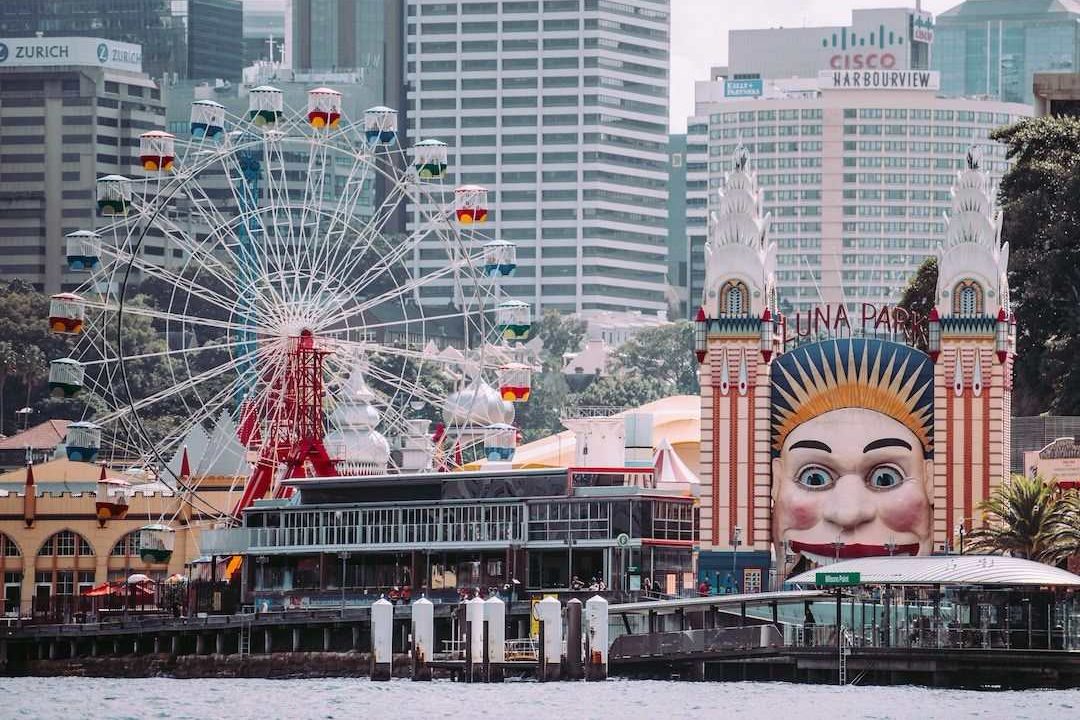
(344, 555)
(838, 545)
(960, 532)
(735, 542)
(891, 546)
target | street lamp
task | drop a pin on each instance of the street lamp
(891, 546)
(736, 540)
(344, 555)
(838, 545)
(960, 532)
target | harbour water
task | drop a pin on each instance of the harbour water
(142, 699)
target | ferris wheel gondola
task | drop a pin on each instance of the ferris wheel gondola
(249, 274)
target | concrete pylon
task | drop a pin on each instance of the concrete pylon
(423, 634)
(596, 634)
(495, 624)
(549, 614)
(382, 637)
(573, 669)
(474, 624)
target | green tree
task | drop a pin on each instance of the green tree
(30, 367)
(664, 354)
(542, 415)
(560, 334)
(1026, 517)
(8, 368)
(624, 391)
(1042, 226)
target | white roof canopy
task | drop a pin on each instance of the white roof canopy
(947, 570)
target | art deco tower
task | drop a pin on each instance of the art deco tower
(972, 342)
(735, 343)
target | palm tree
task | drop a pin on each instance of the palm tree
(30, 366)
(1026, 517)
(8, 367)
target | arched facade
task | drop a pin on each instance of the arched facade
(11, 571)
(65, 566)
(124, 559)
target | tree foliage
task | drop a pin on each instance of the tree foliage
(1042, 226)
(664, 354)
(1029, 518)
(560, 334)
(921, 293)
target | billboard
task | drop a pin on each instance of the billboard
(54, 51)
(922, 27)
(743, 88)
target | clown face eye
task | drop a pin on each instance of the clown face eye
(885, 477)
(815, 477)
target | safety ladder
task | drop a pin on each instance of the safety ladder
(245, 639)
(845, 650)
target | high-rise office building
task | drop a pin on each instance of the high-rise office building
(264, 31)
(880, 38)
(71, 111)
(157, 25)
(559, 108)
(214, 28)
(993, 48)
(364, 38)
(678, 247)
(856, 169)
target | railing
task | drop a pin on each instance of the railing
(693, 642)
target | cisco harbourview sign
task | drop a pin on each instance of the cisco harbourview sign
(879, 80)
(52, 51)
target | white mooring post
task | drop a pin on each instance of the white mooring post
(382, 637)
(423, 634)
(474, 622)
(596, 633)
(549, 613)
(495, 629)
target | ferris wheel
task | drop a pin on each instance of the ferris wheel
(249, 273)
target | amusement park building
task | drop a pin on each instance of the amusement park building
(68, 117)
(442, 533)
(855, 179)
(560, 110)
(56, 547)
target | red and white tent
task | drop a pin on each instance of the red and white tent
(671, 473)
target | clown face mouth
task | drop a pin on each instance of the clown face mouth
(826, 552)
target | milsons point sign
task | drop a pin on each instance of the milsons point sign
(835, 321)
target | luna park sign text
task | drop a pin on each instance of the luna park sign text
(835, 321)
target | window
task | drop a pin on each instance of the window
(127, 546)
(967, 301)
(66, 544)
(8, 548)
(734, 300)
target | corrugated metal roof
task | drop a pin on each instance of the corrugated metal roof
(947, 570)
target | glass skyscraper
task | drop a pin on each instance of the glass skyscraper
(992, 48)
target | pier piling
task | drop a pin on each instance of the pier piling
(574, 669)
(423, 638)
(382, 633)
(549, 612)
(596, 632)
(494, 639)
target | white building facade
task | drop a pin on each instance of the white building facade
(559, 108)
(856, 179)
